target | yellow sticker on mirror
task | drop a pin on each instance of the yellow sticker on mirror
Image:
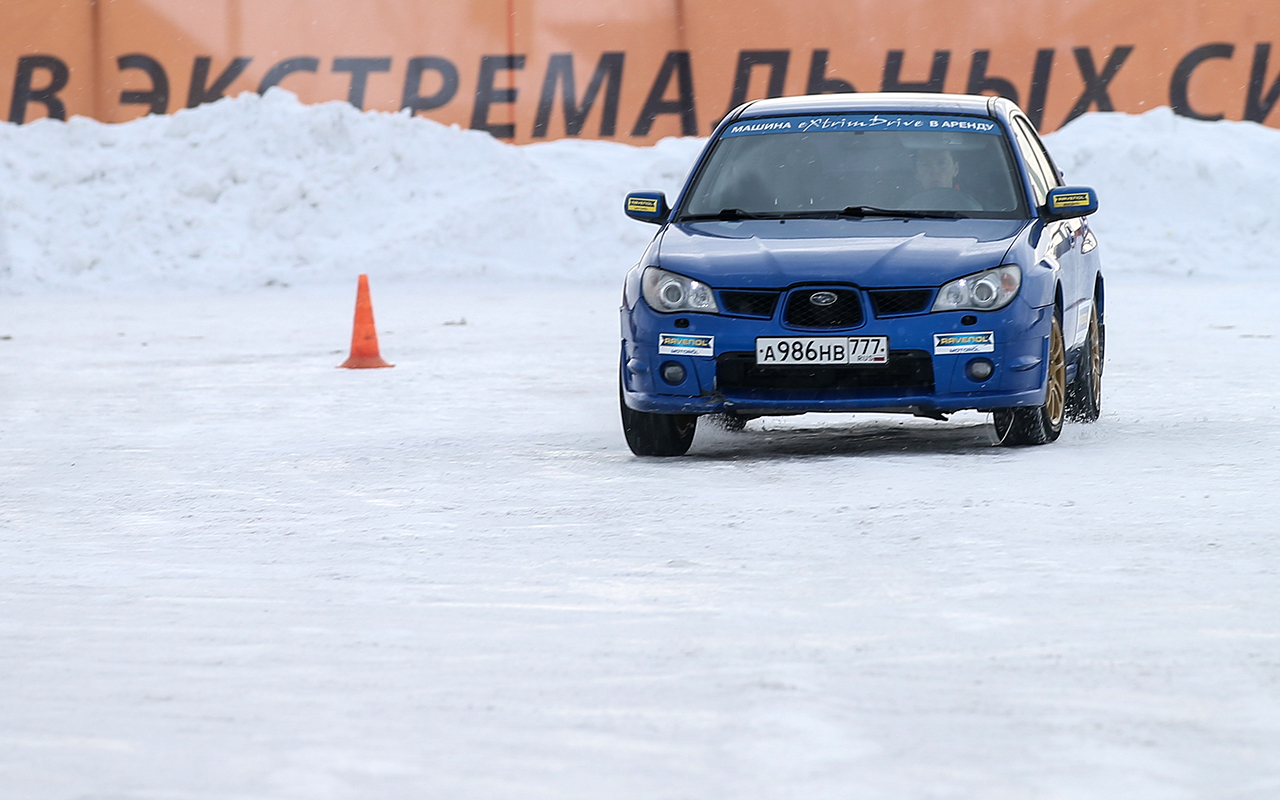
(1070, 200)
(644, 205)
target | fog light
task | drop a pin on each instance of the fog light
(673, 373)
(979, 369)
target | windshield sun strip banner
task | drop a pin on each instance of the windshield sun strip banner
(862, 122)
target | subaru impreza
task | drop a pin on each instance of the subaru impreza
(904, 253)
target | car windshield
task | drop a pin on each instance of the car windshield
(858, 165)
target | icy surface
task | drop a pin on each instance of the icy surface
(229, 570)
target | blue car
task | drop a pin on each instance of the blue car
(912, 253)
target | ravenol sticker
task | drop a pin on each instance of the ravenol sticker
(946, 344)
(680, 344)
(1071, 200)
(643, 205)
(862, 122)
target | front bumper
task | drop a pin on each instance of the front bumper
(916, 380)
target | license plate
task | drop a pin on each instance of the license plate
(787, 350)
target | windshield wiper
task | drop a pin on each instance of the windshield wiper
(873, 211)
(732, 214)
(726, 214)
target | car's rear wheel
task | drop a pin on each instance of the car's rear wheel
(651, 434)
(1084, 395)
(1039, 424)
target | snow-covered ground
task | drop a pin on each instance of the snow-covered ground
(229, 570)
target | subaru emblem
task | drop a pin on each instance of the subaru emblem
(822, 298)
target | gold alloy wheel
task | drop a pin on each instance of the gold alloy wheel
(1095, 359)
(1034, 425)
(1055, 398)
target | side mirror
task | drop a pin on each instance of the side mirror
(648, 207)
(1066, 202)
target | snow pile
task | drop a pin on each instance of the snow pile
(256, 190)
(1178, 195)
(264, 190)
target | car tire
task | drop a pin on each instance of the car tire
(1084, 395)
(1040, 424)
(651, 434)
(729, 421)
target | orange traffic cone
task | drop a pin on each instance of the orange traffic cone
(364, 337)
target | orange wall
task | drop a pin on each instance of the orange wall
(44, 33)
(673, 66)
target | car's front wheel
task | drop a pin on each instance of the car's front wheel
(729, 421)
(1039, 424)
(651, 434)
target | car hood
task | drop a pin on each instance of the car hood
(865, 252)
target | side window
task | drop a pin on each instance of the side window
(1042, 155)
(1040, 181)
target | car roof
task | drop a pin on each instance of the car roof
(867, 102)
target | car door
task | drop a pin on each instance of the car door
(1064, 236)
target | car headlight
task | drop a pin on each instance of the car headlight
(985, 291)
(667, 291)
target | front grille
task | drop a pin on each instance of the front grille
(908, 371)
(749, 304)
(845, 312)
(891, 302)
